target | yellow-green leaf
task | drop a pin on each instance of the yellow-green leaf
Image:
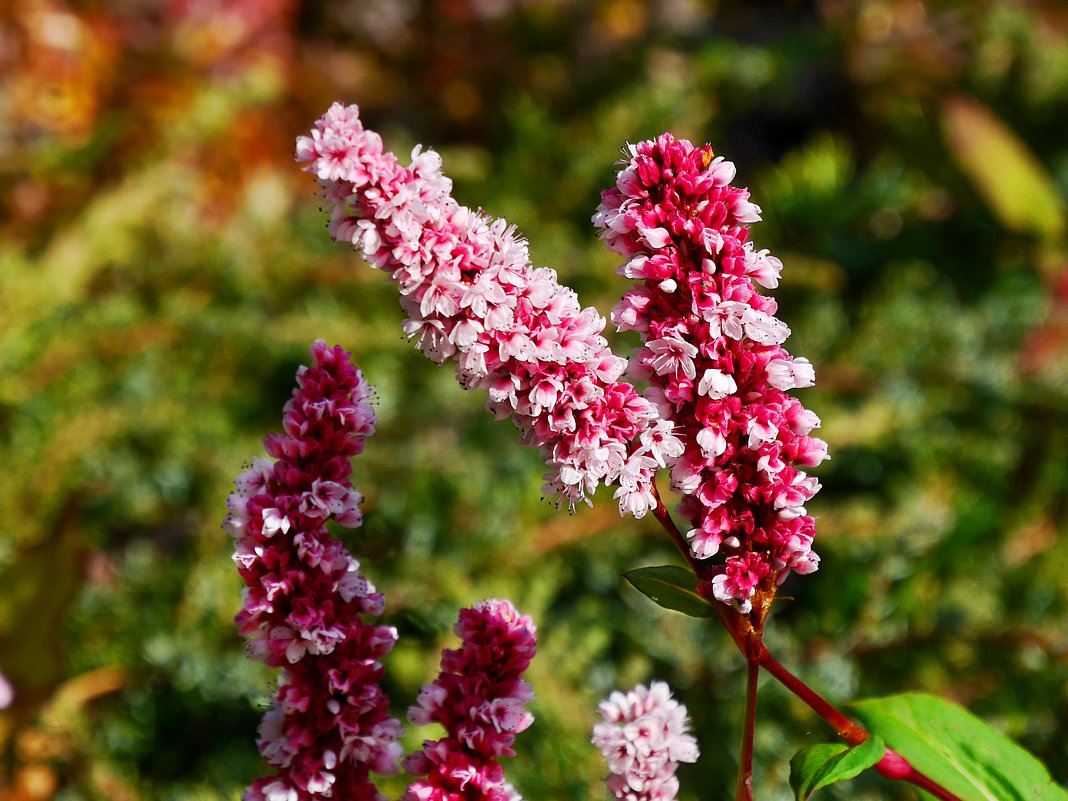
(1018, 189)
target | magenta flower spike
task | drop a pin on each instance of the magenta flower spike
(480, 699)
(471, 295)
(644, 738)
(712, 354)
(329, 724)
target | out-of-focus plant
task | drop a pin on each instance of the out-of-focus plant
(162, 269)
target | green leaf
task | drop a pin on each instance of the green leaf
(671, 587)
(958, 750)
(820, 765)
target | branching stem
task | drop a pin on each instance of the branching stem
(745, 756)
(747, 633)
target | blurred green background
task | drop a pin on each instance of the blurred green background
(164, 266)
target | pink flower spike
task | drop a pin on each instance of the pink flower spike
(644, 735)
(712, 352)
(471, 295)
(329, 725)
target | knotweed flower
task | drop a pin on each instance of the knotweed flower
(471, 295)
(712, 354)
(329, 723)
(644, 738)
(480, 699)
(7, 693)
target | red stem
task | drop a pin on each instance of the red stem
(750, 642)
(745, 757)
(924, 783)
(843, 726)
(892, 766)
(660, 512)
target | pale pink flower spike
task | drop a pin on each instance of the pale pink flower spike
(471, 295)
(644, 738)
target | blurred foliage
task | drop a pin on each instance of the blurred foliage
(163, 268)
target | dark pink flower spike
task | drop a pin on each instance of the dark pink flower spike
(480, 699)
(329, 725)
